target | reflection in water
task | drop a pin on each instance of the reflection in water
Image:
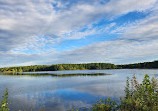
(54, 75)
(63, 93)
(59, 100)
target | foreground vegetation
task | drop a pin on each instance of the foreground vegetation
(138, 97)
(4, 103)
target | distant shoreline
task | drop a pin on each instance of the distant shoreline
(88, 66)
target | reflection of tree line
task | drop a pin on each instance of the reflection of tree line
(56, 75)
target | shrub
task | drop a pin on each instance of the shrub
(106, 105)
(138, 97)
(4, 103)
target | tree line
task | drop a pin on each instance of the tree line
(144, 65)
(59, 67)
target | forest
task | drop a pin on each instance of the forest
(88, 66)
(59, 67)
(144, 65)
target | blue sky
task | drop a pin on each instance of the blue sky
(83, 31)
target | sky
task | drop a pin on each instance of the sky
(37, 32)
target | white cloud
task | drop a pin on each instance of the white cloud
(25, 23)
(138, 43)
(21, 20)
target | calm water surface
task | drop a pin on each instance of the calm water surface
(28, 92)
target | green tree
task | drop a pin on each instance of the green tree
(20, 69)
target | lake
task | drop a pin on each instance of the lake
(28, 92)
